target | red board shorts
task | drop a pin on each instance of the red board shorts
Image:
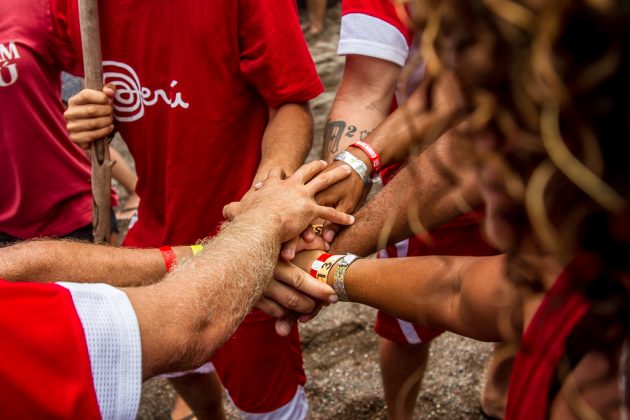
(261, 371)
(462, 237)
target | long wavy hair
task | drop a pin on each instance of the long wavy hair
(546, 77)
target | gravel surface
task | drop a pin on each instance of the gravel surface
(340, 347)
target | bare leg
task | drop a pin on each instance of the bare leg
(203, 393)
(493, 396)
(316, 14)
(128, 179)
(402, 370)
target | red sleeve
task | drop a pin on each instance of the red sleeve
(65, 39)
(274, 56)
(45, 368)
(384, 10)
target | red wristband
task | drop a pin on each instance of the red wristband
(314, 267)
(170, 259)
(371, 154)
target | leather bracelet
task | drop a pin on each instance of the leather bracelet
(374, 157)
(357, 164)
(340, 275)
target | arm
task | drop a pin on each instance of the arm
(470, 296)
(423, 195)
(216, 289)
(363, 101)
(464, 295)
(77, 262)
(287, 139)
(424, 117)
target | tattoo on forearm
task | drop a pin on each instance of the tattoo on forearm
(335, 130)
(332, 134)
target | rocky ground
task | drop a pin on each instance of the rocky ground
(340, 347)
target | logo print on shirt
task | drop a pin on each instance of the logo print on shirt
(8, 71)
(131, 96)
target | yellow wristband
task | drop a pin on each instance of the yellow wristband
(196, 249)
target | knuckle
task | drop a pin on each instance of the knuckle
(91, 110)
(298, 280)
(293, 302)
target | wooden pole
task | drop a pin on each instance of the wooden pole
(101, 164)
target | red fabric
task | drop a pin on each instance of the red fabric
(384, 10)
(388, 327)
(542, 347)
(201, 75)
(275, 367)
(45, 371)
(220, 64)
(461, 236)
(45, 188)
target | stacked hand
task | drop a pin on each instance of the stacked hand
(290, 206)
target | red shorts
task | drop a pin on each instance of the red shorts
(262, 371)
(462, 236)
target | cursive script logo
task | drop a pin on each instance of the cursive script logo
(132, 97)
(8, 70)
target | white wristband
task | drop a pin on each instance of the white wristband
(357, 164)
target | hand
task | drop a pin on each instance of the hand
(90, 115)
(293, 294)
(345, 195)
(307, 240)
(290, 203)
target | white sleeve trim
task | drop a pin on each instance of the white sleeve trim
(113, 341)
(366, 35)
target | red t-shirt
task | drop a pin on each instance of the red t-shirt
(69, 350)
(195, 80)
(543, 346)
(45, 188)
(374, 28)
(45, 366)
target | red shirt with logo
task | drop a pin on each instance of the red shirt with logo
(194, 83)
(45, 179)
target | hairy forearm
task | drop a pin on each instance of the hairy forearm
(186, 317)
(464, 295)
(434, 188)
(54, 260)
(287, 139)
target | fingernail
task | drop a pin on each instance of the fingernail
(333, 299)
(258, 185)
(351, 219)
(284, 329)
(328, 236)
